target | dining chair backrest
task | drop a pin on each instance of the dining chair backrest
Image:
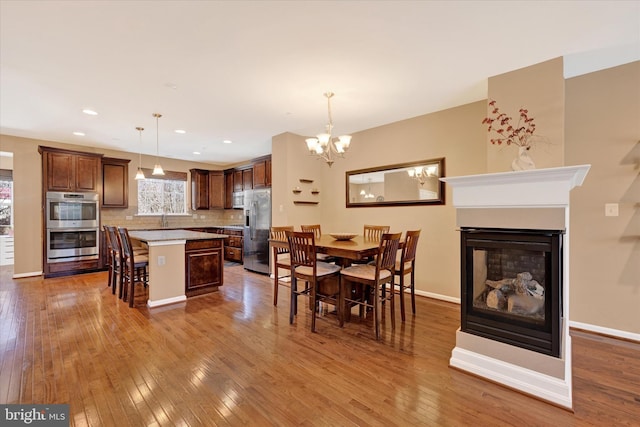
(278, 233)
(410, 246)
(375, 232)
(312, 228)
(302, 249)
(125, 242)
(387, 251)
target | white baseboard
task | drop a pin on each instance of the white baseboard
(438, 296)
(30, 274)
(166, 301)
(543, 386)
(605, 331)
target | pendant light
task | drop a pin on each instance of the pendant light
(140, 174)
(157, 169)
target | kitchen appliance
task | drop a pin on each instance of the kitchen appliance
(65, 245)
(238, 200)
(72, 226)
(257, 223)
(72, 210)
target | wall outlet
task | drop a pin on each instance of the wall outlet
(128, 217)
(195, 216)
(202, 217)
(610, 209)
(162, 260)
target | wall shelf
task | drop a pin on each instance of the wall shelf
(306, 181)
(304, 202)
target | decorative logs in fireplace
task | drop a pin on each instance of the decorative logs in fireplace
(512, 286)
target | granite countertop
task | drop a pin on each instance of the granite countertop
(162, 235)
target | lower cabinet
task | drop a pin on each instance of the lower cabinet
(233, 245)
(203, 266)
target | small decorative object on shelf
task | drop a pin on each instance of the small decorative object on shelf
(297, 190)
(315, 191)
(520, 135)
(306, 181)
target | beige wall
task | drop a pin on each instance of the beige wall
(456, 134)
(603, 129)
(27, 177)
(539, 89)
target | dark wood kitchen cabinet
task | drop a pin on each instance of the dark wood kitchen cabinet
(228, 189)
(115, 183)
(66, 170)
(233, 245)
(199, 189)
(262, 172)
(216, 190)
(203, 266)
(207, 189)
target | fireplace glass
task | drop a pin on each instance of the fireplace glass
(511, 287)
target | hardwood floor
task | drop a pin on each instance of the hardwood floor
(231, 358)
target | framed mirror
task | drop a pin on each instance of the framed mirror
(413, 183)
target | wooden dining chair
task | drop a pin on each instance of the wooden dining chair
(374, 277)
(281, 260)
(317, 231)
(113, 266)
(406, 265)
(375, 232)
(322, 280)
(134, 267)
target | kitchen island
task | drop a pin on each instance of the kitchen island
(182, 263)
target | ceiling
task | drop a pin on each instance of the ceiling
(246, 71)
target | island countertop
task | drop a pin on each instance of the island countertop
(166, 235)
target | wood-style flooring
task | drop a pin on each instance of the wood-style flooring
(231, 358)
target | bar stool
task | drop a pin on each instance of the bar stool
(406, 265)
(135, 266)
(281, 260)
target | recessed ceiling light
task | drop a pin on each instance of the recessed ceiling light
(227, 141)
(180, 131)
(196, 152)
(78, 133)
(89, 112)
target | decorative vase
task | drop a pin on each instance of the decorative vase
(523, 161)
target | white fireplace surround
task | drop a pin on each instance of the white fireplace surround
(490, 200)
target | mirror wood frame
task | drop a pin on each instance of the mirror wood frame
(362, 174)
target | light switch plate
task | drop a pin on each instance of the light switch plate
(610, 209)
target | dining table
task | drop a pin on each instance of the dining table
(345, 251)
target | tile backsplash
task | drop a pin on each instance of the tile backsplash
(205, 218)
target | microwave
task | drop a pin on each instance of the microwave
(238, 200)
(72, 210)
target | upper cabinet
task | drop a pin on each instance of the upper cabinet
(228, 189)
(207, 189)
(262, 172)
(216, 190)
(65, 170)
(115, 183)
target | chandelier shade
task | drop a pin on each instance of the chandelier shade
(157, 168)
(140, 173)
(324, 145)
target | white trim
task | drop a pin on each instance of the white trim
(531, 382)
(437, 296)
(605, 331)
(30, 274)
(166, 301)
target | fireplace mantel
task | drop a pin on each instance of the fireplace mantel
(530, 199)
(537, 187)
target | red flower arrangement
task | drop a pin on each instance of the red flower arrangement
(507, 133)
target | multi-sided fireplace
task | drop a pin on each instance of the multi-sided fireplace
(512, 287)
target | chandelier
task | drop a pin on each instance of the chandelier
(421, 173)
(140, 173)
(157, 169)
(326, 146)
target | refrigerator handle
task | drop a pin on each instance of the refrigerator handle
(255, 220)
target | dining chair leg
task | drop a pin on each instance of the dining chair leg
(314, 305)
(413, 293)
(392, 300)
(376, 313)
(402, 298)
(293, 308)
(275, 288)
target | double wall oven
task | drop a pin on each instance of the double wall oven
(72, 222)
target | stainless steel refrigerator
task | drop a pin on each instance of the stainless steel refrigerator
(257, 223)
